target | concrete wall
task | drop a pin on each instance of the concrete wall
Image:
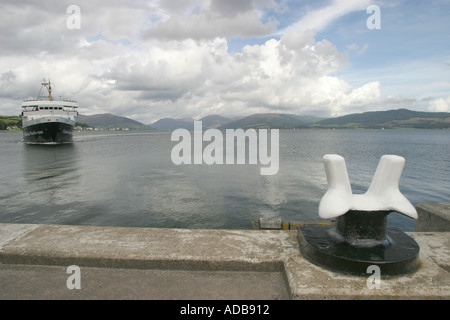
(433, 217)
(34, 258)
(29, 253)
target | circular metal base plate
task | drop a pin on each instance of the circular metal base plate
(399, 257)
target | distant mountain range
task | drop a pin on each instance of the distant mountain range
(212, 121)
(256, 121)
(401, 118)
(108, 120)
(271, 120)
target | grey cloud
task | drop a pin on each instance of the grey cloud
(231, 8)
(183, 76)
(29, 29)
(217, 18)
(8, 76)
(209, 27)
(162, 94)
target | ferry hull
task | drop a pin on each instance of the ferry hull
(48, 132)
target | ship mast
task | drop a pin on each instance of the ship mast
(48, 86)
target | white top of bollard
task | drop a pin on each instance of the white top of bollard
(383, 193)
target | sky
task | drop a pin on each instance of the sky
(148, 60)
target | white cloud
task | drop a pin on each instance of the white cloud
(195, 78)
(182, 67)
(318, 19)
(440, 105)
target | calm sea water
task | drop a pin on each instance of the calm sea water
(128, 179)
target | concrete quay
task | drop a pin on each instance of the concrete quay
(433, 217)
(194, 264)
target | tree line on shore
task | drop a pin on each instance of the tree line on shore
(11, 122)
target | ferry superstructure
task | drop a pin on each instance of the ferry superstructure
(49, 121)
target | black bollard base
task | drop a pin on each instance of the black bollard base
(338, 249)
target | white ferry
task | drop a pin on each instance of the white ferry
(45, 120)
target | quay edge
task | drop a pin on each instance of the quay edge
(236, 253)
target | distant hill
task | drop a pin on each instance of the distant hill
(169, 124)
(267, 120)
(401, 118)
(271, 120)
(108, 120)
(214, 121)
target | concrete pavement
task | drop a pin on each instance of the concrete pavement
(185, 264)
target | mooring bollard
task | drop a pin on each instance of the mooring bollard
(360, 237)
